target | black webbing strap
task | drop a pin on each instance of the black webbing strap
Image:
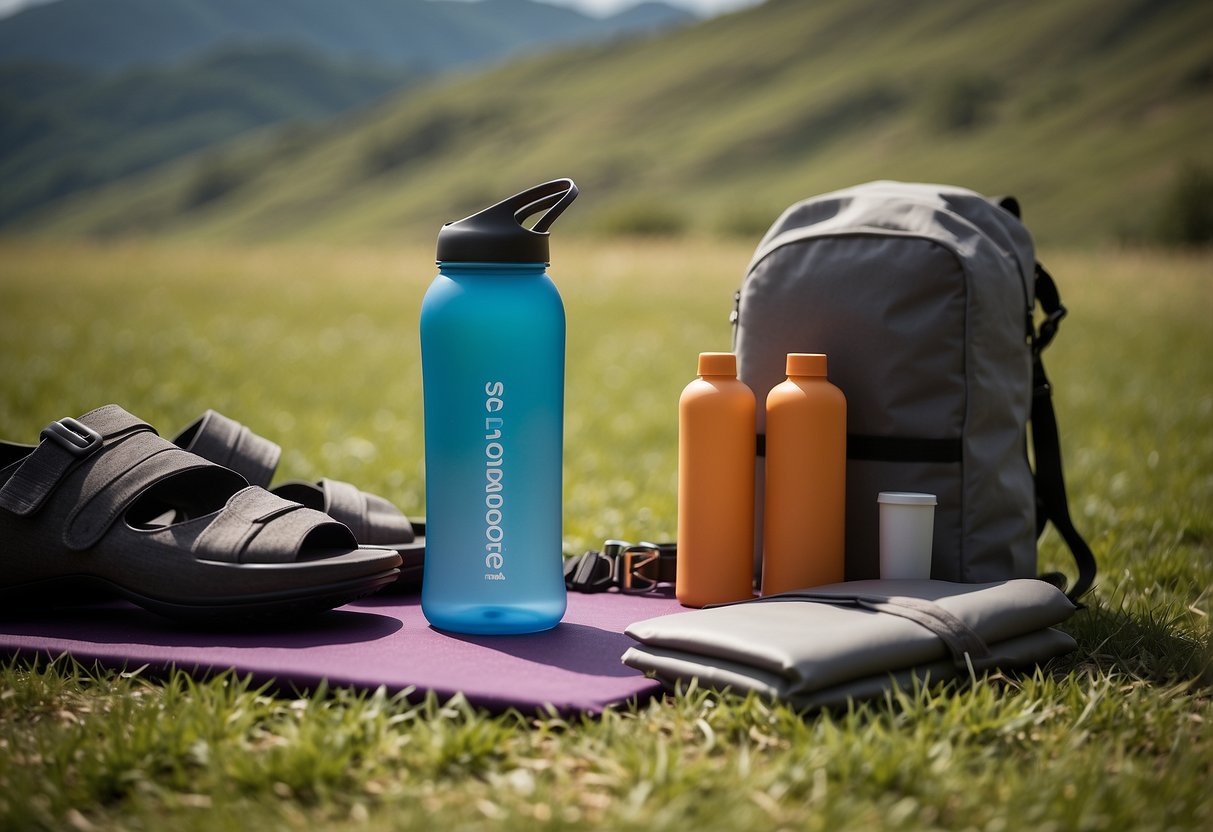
(1051, 503)
(903, 448)
(894, 448)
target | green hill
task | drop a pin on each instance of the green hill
(63, 130)
(1089, 110)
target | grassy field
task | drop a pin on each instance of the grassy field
(317, 348)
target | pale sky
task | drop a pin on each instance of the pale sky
(7, 7)
(704, 8)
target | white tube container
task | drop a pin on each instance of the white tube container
(907, 527)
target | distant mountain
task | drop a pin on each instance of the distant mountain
(651, 16)
(421, 34)
(94, 90)
(65, 129)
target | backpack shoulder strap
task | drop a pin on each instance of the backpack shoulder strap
(1051, 503)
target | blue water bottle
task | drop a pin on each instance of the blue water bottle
(492, 356)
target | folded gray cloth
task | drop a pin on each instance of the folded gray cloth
(825, 645)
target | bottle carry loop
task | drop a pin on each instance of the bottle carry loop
(553, 196)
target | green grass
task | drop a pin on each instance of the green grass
(317, 348)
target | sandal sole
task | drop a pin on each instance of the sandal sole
(215, 612)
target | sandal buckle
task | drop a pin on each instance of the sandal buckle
(75, 437)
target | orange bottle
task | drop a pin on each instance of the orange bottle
(804, 514)
(716, 447)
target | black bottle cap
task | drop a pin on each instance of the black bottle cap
(497, 235)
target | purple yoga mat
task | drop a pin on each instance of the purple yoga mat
(381, 640)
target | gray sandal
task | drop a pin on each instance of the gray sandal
(104, 503)
(373, 520)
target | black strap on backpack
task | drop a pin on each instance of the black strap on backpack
(1051, 503)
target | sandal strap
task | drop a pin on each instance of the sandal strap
(347, 504)
(374, 520)
(228, 443)
(125, 471)
(256, 527)
(66, 443)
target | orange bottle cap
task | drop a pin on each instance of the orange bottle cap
(717, 364)
(806, 364)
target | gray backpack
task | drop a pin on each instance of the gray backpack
(923, 298)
